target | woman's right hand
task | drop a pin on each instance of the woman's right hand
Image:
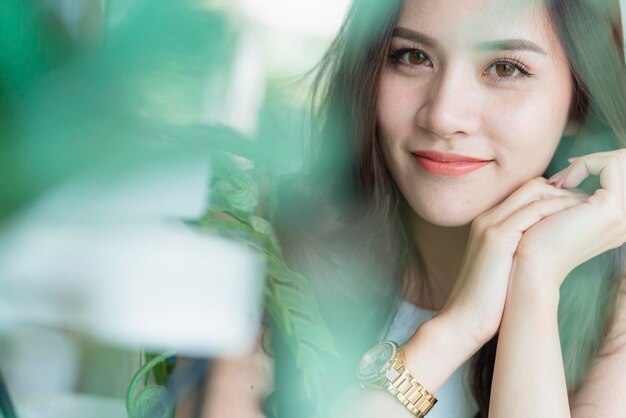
(476, 302)
(473, 310)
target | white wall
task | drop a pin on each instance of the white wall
(319, 18)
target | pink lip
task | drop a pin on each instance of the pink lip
(450, 169)
(447, 158)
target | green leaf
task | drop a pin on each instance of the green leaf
(289, 297)
(240, 198)
(151, 395)
(264, 227)
(218, 206)
(234, 186)
(245, 234)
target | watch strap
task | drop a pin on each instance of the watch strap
(402, 385)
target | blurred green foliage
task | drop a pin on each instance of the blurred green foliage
(130, 85)
(107, 105)
(242, 204)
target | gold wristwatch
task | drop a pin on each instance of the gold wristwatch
(383, 366)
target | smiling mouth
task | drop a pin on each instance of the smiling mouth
(449, 169)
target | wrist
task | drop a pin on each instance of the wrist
(469, 330)
(441, 339)
(528, 282)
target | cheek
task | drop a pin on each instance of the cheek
(398, 99)
(527, 130)
(395, 119)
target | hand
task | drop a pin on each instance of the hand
(561, 242)
(476, 302)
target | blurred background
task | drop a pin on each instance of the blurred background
(113, 115)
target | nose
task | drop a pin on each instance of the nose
(452, 107)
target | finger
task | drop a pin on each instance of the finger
(533, 190)
(537, 210)
(556, 176)
(608, 167)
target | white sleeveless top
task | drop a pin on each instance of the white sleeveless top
(454, 398)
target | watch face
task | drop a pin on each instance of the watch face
(375, 359)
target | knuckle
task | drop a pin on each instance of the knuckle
(528, 189)
(539, 188)
(536, 205)
(613, 209)
(533, 184)
(492, 233)
(603, 196)
(480, 223)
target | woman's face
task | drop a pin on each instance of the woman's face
(486, 79)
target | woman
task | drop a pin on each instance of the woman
(485, 246)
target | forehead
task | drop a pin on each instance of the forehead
(467, 22)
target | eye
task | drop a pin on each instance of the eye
(410, 57)
(506, 70)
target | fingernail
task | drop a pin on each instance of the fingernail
(555, 177)
(559, 183)
(564, 177)
(571, 160)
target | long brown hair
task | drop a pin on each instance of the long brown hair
(357, 201)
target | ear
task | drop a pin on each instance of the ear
(571, 128)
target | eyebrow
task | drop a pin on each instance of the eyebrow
(499, 45)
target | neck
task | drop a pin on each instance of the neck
(441, 251)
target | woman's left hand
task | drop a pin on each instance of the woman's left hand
(560, 242)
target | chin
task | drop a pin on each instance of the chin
(451, 221)
(447, 216)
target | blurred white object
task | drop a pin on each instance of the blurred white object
(321, 18)
(153, 284)
(70, 406)
(107, 257)
(175, 188)
(238, 105)
(38, 359)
